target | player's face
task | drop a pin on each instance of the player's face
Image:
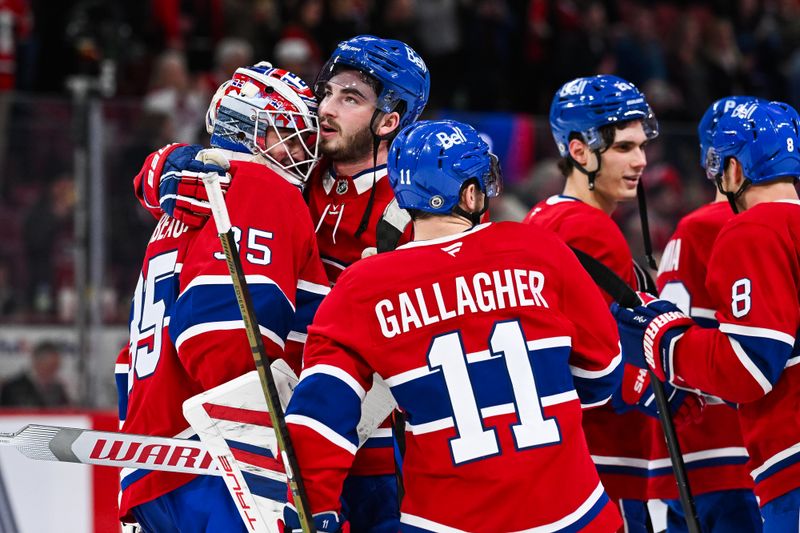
(291, 150)
(346, 108)
(622, 165)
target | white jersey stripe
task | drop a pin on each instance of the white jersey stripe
(323, 430)
(750, 366)
(778, 457)
(486, 412)
(338, 373)
(224, 326)
(750, 331)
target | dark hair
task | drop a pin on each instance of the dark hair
(44, 348)
(608, 133)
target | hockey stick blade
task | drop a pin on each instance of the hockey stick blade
(109, 448)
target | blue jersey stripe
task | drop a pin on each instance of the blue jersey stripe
(217, 303)
(306, 308)
(777, 467)
(769, 355)
(339, 408)
(426, 399)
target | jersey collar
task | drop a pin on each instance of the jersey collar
(362, 180)
(448, 238)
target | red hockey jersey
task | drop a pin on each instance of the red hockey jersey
(490, 346)
(620, 444)
(338, 204)
(750, 359)
(186, 331)
(713, 449)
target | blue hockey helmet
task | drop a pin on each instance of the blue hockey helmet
(763, 136)
(711, 117)
(584, 105)
(430, 160)
(401, 72)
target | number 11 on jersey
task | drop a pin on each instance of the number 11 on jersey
(473, 441)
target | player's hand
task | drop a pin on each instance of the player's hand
(328, 522)
(646, 332)
(181, 193)
(369, 252)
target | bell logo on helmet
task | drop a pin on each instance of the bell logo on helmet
(437, 201)
(448, 141)
(744, 110)
(623, 86)
(414, 58)
(573, 88)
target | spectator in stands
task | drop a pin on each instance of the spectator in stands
(174, 93)
(40, 385)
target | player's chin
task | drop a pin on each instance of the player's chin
(329, 145)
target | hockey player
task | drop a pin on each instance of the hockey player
(186, 332)
(713, 449)
(750, 358)
(368, 90)
(489, 345)
(601, 125)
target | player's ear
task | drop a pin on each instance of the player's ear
(579, 151)
(734, 176)
(471, 198)
(387, 123)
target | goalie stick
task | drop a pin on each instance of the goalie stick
(125, 450)
(624, 295)
(219, 212)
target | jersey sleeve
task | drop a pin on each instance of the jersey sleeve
(325, 408)
(595, 361)
(206, 325)
(146, 182)
(312, 287)
(742, 359)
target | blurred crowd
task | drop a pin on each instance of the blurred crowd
(483, 54)
(169, 56)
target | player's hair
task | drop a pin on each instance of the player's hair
(608, 134)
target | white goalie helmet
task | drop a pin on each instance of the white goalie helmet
(271, 114)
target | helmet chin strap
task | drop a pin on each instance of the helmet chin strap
(591, 174)
(376, 143)
(475, 217)
(733, 196)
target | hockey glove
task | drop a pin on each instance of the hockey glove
(323, 522)
(636, 392)
(181, 193)
(647, 332)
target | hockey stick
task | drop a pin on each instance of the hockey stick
(109, 448)
(624, 295)
(220, 213)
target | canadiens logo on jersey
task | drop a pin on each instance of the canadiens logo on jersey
(341, 186)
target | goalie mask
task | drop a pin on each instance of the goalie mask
(271, 114)
(430, 161)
